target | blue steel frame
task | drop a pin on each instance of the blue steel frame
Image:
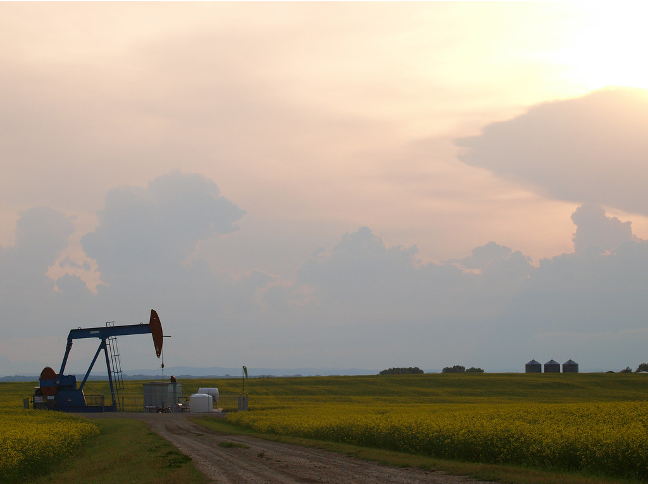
(103, 333)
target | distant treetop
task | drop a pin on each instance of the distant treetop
(402, 371)
(454, 369)
(462, 369)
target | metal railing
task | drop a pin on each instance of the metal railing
(134, 402)
(94, 400)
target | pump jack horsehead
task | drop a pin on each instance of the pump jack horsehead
(59, 392)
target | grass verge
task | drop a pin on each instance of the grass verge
(125, 451)
(485, 472)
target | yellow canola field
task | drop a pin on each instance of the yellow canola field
(610, 438)
(33, 440)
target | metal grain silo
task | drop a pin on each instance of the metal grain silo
(552, 366)
(570, 366)
(533, 366)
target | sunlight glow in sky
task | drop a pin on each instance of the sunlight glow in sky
(606, 50)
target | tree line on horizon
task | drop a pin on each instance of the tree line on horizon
(415, 370)
(461, 369)
(412, 370)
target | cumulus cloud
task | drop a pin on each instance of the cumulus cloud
(498, 315)
(41, 234)
(484, 255)
(589, 149)
(598, 288)
(141, 248)
(159, 224)
(360, 264)
(69, 263)
(26, 292)
(594, 228)
(375, 282)
(364, 284)
(360, 303)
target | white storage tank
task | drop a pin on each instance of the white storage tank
(201, 403)
(210, 391)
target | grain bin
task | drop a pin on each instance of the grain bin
(201, 403)
(533, 366)
(570, 366)
(552, 366)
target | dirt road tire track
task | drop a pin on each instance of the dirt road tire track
(271, 462)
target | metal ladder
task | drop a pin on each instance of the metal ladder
(115, 364)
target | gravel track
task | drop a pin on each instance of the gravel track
(271, 462)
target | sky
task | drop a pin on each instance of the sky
(325, 185)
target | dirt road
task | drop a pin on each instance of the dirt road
(256, 461)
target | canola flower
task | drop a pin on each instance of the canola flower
(610, 438)
(31, 440)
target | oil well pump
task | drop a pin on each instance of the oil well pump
(59, 392)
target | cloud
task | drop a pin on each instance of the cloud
(594, 228)
(360, 303)
(484, 255)
(141, 247)
(359, 264)
(362, 283)
(589, 149)
(161, 224)
(26, 292)
(600, 287)
(495, 317)
(41, 234)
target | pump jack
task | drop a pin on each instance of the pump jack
(59, 392)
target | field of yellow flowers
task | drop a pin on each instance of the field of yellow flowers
(588, 422)
(608, 438)
(31, 441)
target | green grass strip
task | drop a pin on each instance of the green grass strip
(125, 451)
